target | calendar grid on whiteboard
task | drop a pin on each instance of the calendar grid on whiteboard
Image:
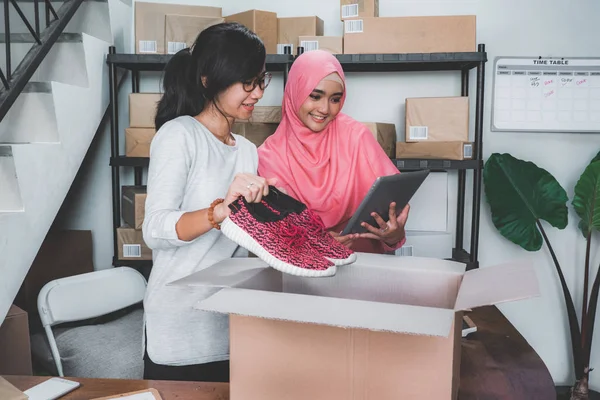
(532, 94)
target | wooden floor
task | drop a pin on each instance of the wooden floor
(497, 364)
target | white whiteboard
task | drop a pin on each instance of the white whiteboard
(548, 95)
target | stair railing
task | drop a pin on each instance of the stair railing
(12, 82)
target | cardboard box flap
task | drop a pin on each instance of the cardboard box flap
(345, 313)
(227, 273)
(497, 284)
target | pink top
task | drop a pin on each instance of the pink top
(330, 171)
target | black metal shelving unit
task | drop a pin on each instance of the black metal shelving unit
(464, 63)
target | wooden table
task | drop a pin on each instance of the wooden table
(497, 364)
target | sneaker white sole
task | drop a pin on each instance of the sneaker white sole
(343, 261)
(241, 237)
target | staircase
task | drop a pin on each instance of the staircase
(47, 130)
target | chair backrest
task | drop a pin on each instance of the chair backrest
(90, 295)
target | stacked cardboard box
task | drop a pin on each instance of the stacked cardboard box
(141, 131)
(264, 122)
(130, 240)
(290, 29)
(365, 32)
(436, 127)
(263, 23)
(386, 136)
(167, 28)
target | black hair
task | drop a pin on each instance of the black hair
(223, 54)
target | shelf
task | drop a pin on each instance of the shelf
(350, 62)
(406, 164)
(132, 263)
(411, 62)
(122, 161)
(157, 62)
(401, 164)
(461, 255)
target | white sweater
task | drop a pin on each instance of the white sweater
(189, 169)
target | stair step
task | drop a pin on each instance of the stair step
(37, 87)
(37, 101)
(10, 195)
(65, 62)
(28, 38)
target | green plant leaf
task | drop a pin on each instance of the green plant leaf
(597, 158)
(520, 194)
(586, 201)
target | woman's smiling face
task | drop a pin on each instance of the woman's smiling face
(322, 105)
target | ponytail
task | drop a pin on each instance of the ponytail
(222, 55)
(182, 94)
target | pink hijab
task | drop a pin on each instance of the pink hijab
(330, 171)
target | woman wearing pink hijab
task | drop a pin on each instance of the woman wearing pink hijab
(326, 159)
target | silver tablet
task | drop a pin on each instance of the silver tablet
(398, 188)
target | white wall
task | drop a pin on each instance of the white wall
(508, 28)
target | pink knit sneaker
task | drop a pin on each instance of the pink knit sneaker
(274, 238)
(305, 218)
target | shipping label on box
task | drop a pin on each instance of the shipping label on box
(359, 8)
(385, 135)
(181, 31)
(142, 109)
(291, 28)
(133, 205)
(137, 141)
(332, 44)
(131, 245)
(263, 23)
(435, 150)
(150, 23)
(379, 308)
(388, 35)
(437, 119)
(257, 133)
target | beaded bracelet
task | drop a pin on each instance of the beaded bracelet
(211, 211)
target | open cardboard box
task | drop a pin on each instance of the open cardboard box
(382, 328)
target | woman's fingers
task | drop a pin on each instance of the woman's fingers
(382, 224)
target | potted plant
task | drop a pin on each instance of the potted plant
(521, 197)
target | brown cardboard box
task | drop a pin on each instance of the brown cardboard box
(410, 35)
(9, 392)
(15, 348)
(359, 9)
(181, 31)
(62, 253)
(289, 29)
(257, 133)
(131, 245)
(266, 114)
(142, 109)
(437, 119)
(332, 44)
(150, 23)
(368, 332)
(436, 150)
(133, 205)
(263, 23)
(137, 141)
(385, 135)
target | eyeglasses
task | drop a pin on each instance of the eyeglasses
(261, 81)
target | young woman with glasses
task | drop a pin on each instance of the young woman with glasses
(197, 167)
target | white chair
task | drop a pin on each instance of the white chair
(90, 295)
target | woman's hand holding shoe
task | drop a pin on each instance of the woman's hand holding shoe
(391, 232)
(251, 186)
